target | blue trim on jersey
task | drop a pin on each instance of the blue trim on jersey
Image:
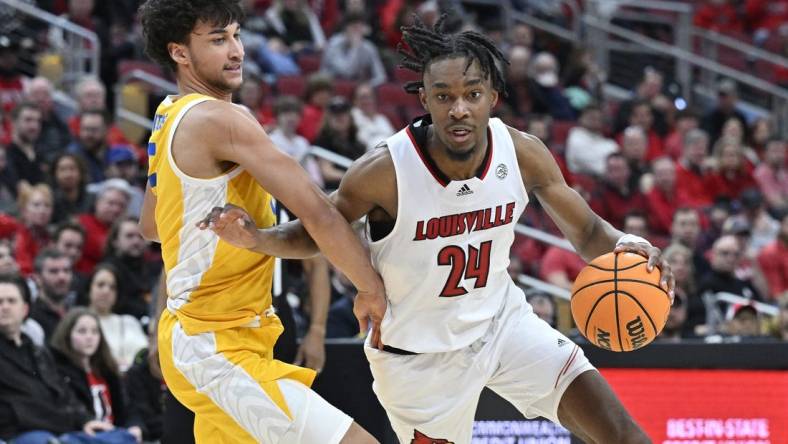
(152, 180)
(151, 148)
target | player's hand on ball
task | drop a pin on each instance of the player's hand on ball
(370, 306)
(655, 259)
(232, 224)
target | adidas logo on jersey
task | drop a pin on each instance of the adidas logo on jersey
(464, 190)
(561, 342)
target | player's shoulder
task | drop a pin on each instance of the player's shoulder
(524, 142)
(212, 119)
(211, 112)
(375, 161)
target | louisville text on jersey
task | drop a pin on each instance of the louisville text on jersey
(456, 224)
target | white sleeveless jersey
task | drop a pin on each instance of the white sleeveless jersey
(444, 263)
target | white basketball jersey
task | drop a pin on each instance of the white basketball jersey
(444, 263)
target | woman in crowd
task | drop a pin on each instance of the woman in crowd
(88, 368)
(123, 333)
(733, 174)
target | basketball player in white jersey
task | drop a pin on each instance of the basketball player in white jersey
(217, 334)
(442, 198)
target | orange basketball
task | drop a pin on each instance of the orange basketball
(617, 304)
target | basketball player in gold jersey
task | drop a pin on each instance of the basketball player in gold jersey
(217, 334)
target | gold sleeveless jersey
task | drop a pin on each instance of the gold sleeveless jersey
(211, 284)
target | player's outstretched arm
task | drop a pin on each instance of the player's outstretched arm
(369, 182)
(233, 135)
(591, 235)
(234, 225)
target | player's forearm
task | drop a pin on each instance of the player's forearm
(319, 293)
(341, 246)
(288, 241)
(600, 238)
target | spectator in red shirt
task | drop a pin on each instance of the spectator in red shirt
(733, 174)
(111, 204)
(719, 15)
(560, 267)
(614, 197)
(35, 205)
(319, 90)
(686, 121)
(690, 169)
(664, 198)
(734, 129)
(772, 175)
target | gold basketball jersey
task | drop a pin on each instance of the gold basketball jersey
(211, 284)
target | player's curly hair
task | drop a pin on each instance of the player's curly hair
(166, 21)
(430, 45)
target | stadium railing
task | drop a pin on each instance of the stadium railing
(80, 56)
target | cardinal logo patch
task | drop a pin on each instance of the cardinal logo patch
(420, 438)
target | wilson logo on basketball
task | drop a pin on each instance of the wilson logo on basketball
(637, 333)
(603, 338)
(420, 438)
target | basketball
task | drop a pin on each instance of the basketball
(617, 304)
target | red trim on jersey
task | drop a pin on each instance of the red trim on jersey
(566, 366)
(424, 159)
(488, 157)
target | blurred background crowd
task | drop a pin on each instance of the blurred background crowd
(703, 176)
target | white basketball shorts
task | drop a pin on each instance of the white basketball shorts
(432, 397)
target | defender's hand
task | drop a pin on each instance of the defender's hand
(655, 259)
(370, 307)
(232, 224)
(312, 351)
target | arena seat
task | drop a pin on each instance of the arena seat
(291, 85)
(309, 63)
(393, 94)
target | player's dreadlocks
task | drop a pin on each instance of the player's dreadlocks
(429, 45)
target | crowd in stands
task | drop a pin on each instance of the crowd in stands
(708, 184)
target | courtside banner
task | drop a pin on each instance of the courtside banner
(706, 406)
(673, 406)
